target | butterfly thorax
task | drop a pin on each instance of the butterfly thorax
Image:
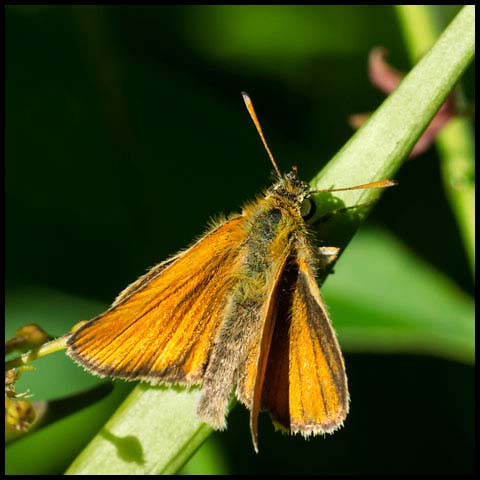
(274, 221)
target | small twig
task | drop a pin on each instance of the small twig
(46, 349)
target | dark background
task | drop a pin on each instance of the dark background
(126, 132)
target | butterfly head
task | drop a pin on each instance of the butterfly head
(290, 188)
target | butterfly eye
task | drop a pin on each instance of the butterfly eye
(307, 208)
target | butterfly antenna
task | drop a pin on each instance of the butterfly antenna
(251, 111)
(379, 184)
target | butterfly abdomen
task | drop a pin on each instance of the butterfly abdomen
(267, 245)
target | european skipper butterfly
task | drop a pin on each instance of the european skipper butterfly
(238, 310)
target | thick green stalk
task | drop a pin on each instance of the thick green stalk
(455, 140)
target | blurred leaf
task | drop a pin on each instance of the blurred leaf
(318, 31)
(50, 449)
(382, 298)
(53, 446)
(54, 410)
(56, 375)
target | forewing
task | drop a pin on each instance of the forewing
(161, 328)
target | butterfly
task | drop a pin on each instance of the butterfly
(239, 311)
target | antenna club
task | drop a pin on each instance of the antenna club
(253, 115)
(248, 101)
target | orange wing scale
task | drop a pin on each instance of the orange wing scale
(305, 387)
(149, 333)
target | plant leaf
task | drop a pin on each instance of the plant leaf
(383, 298)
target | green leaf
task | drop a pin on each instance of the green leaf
(55, 410)
(383, 298)
(53, 446)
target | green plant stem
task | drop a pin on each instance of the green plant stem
(42, 351)
(154, 431)
(378, 149)
(455, 140)
(455, 143)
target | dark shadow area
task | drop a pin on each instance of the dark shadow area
(128, 448)
(404, 413)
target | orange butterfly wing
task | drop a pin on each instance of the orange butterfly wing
(250, 383)
(305, 388)
(161, 328)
